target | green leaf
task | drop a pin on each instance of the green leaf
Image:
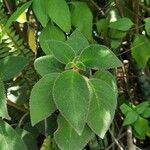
(146, 113)
(58, 11)
(141, 107)
(102, 26)
(99, 56)
(16, 14)
(9, 139)
(61, 51)
(77, 41)
(131, 117)
(147, 25)
(82, 18)
(39, 12)
(123, 24)
(108, 78)
(102, 107)
(11, 66)
(27, 138)
(141, 50)
(72, 96)
(47, 64)
(141, 126)
(67, 139)
(3, 102)
(50, 32)
(125, 109)
(41, 99)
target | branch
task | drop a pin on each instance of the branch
(10, 103)
(99, 9)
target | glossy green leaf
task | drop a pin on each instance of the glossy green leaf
(123, 24)
(141, 107)
(102, 107)
(16, 14)
(47, 64)
(39, 12)
(72, 96)
(141, 50)
(50, 32)
(141, 126)
(130, 118)
(108, 78)
(99, 56)
(147, 25)
(58, 11)
(67, 139)
(41, 99)
(77, 41)
(3, 101)
(82, 18)
(9, 139)
(11, 66)
(61, 51)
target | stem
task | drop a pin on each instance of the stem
(136, 14)
(129, 139)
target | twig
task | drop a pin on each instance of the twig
(10, 103)
(120, 137)
(116, 141)
(144, 7)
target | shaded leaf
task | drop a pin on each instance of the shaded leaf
(58, 11)
(82, 18)
(11, 66)
(27, 138)
(9, 139)
(47, 64)
(41, 99)
(99, 56)
(40, 13)
(72, 96)
(3, 101)
(67, 139)
(147, 25)
(141, 50)
(102, 107)
(61, 51)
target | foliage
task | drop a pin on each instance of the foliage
(64, 66)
